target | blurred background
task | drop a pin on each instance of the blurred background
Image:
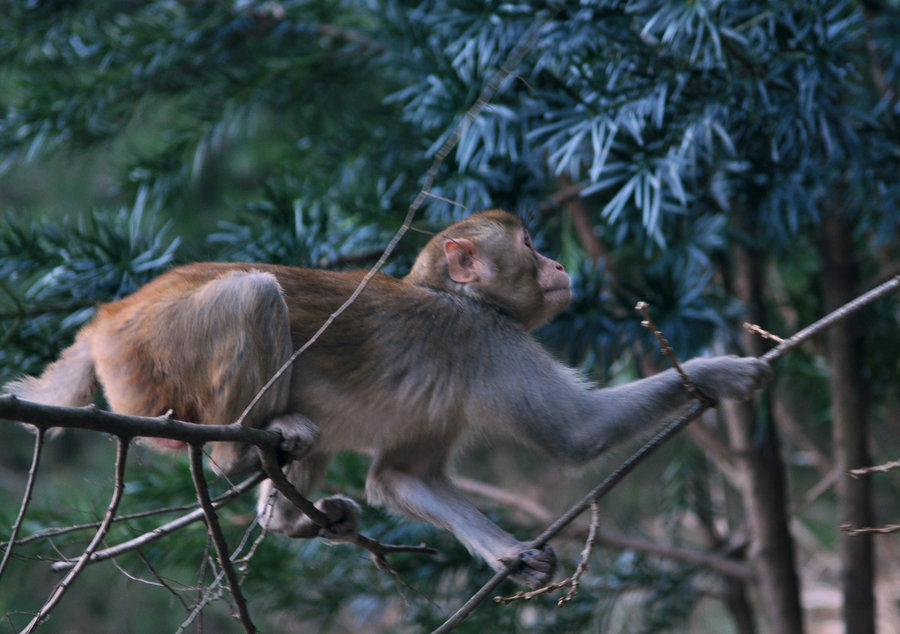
(724, 161)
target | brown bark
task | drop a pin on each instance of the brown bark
(754, 438)
(840, 278)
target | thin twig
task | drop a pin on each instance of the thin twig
(585, 555)
(63, 585)
(569, 582)
(47, 533)
(882, 290)
(170, 527)
(211, 594)
(666, 348)
(654, 443)
(882, 468)
(26, 498)
(162, 582)
(218, 538)
(890, 528)
(717, 563)
(762, 332)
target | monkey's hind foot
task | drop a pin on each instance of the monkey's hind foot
(536, 567)
(298, 435)
(343, 515)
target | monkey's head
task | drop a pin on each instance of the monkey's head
(489, 257)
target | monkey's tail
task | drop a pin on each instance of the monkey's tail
(69, 381)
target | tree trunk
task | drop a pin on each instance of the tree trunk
(840, 279)
(754, 438)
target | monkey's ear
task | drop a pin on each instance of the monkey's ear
(462, 261)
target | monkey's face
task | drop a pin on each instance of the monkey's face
(553, 284)
(529, 286)
(489, 256)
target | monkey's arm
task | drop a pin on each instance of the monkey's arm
(575, 424)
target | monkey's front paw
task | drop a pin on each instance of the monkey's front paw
(298, 434)
(730, 377)
(536, 567)
(749, 374)
(343, 517)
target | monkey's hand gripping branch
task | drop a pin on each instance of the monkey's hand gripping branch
(836, 316)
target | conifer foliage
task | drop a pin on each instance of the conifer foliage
(722, 160)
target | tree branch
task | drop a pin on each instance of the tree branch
(94, 419)
(657, 441)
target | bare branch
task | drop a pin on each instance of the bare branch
(167, 529)
(829, 320)
(26, 498)
(717, 563)
(62, 586)
(215, 533)
(654, 443)
(94, 419)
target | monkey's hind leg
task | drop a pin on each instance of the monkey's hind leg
(245, 325)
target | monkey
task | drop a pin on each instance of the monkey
(403, 374)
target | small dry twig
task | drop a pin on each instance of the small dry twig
(166, 529)
(882, 468)
(890, 528)
(570, 582)
(666, 348)
(762, 332)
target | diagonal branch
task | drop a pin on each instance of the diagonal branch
(891, 286)
(62, 586)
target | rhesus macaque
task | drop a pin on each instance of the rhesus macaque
(409, 368)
